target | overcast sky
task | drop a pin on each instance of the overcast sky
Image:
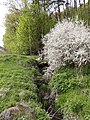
(3, 12)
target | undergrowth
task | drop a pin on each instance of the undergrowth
(73, 92)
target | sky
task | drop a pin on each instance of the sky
(3, 12)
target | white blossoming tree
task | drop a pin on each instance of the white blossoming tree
(66, 43)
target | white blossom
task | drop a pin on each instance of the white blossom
(67, 42)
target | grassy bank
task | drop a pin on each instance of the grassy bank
(73, 89)
(17, 83)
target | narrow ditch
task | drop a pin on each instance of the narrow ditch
(46, 96)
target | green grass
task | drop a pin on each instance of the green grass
(17, 83)
(19, 77)
(73, 88)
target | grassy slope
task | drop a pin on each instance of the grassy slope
(16, 83)
(73, 87)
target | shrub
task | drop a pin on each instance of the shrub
(69, 43)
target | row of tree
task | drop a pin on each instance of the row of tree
(81, 13)
(28, 21)
(25, 26)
